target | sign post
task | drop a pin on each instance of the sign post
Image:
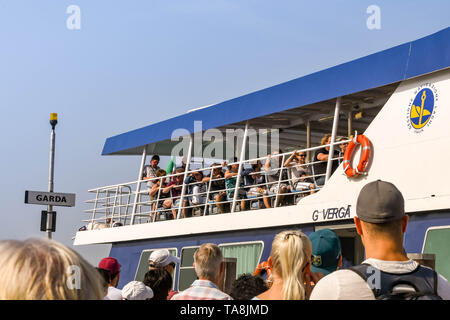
(50, 198)
(53, 122)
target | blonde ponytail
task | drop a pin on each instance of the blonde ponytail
(291, 252)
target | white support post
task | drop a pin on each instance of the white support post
(333, 138)
(183, 189)
(238, 178)
(138, 186)
(308, 140)
(349, 123)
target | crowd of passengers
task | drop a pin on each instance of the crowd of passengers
(259, 183)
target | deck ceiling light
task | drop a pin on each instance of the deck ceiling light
(359, 115)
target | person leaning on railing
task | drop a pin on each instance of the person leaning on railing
(321, 157)
(160, 191)
(149, 171)
(174, 187)
(277, 186)
(217, 188)
(197, 190)
(255, 183)
(299, 172)
(230, 183)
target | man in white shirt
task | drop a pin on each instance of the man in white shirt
(381, 222)
(149, 171)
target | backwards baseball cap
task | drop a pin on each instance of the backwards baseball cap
(380, 202)
(326, 251)
(136, 290)
(110, 264)
(161, 258)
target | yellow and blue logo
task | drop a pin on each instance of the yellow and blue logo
(317, 261)
(422, 108)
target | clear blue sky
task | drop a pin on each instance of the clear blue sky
(134, 63)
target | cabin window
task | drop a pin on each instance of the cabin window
(436, 241)
(187, 272)
(143, 263)
(247, 255)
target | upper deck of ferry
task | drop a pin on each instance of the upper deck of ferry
(343, 100)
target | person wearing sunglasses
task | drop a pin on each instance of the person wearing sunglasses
(300, 172)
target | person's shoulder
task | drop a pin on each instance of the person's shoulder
(443, 287)
(341, 285)
(114, 293)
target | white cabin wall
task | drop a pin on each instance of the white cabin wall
(415, 162)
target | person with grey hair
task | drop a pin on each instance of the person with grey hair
(387, 273)
(210, 270)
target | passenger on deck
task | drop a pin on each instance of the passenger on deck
(300, 172)
(197, 189)
(276, 186)
(321, 157)
(160, 191)
(174, 187)
(256, 183)
(342, 147)
(230, 183)
(217, 189)
(149, 172)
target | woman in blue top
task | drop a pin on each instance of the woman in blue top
(230, 183)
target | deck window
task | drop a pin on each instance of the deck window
(436, 241)
(187, 272)
(247, 255)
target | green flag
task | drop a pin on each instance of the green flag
(170, 165)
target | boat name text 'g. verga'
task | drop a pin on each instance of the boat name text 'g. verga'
(332, 213)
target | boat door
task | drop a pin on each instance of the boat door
(351, 245)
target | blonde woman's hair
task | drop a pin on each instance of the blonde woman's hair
(291, 252)
(325, 139)
(207, 261)
(41, 269)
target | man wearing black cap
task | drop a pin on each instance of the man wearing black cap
(381, 222)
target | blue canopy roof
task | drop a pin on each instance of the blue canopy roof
(399, 63)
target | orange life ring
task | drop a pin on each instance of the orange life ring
(264, 266)
(363, 161)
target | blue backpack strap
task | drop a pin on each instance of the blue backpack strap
(422, 279)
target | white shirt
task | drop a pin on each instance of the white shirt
(348, 285)
(114, 294)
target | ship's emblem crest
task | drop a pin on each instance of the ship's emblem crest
(422, 107)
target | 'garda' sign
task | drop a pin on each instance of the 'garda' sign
(50, 198)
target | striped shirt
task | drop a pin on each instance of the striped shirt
(202, 290)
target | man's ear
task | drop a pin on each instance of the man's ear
(405, 220)
(358, 225)
(340, 262)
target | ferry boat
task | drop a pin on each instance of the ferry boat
(398, 98)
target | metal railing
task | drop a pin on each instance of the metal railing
(126, 204)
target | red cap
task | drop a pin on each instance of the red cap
(110, 264)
